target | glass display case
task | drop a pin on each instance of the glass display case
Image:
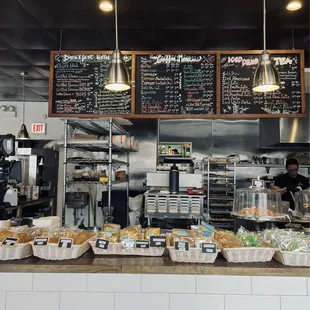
(257, 203)
(302, 204)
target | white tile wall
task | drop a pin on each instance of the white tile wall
(295, 302)
(83, 301)
(122, 283)
(59, 282)
(32, 301)
(223, 284)
(246, 302)
(139, 301)
(69, 291)
(2, 300)
(16, 282)
(168, 284)
(279, 286)
(196, 302)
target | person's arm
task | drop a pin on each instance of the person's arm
(279, 189)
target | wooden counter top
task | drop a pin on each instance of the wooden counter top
(89, 263)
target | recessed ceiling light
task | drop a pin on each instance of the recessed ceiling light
(105, 6)
(293, 5)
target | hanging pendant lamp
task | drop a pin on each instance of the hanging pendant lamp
(117, 76)
(23, 132)
(266, 77)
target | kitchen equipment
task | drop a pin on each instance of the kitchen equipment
(174, 179)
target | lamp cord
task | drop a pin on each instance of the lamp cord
(24, 99)
(293, 40)
(116, 27)
(264, 24)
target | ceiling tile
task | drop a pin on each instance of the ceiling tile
(13, 15)
(80, 39)
(36, 57)
(15, 72)
(16, 94)
(10, 58)
(57, 14)
(9, 82)
(34, 82)
(42, 91)
(27, 38)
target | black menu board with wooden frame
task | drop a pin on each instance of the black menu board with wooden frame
(76, 86)
(236, 98)
(174, 84)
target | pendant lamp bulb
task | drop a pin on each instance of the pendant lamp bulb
(23, 133)
(266, 77)
(117, 76)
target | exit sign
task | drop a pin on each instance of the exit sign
(38, 128)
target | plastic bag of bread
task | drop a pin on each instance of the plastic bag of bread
(131, 232)
(112, 237)
(111, 228)
(150, 232)
(82, 236)
(4, 233)
(224, 234)
(230, 243)
(183, 235)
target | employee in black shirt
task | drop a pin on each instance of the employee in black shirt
(291, 182)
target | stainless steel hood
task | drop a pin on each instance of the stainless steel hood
(286, 132)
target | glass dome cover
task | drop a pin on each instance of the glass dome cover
(302, 204)
(257, 203)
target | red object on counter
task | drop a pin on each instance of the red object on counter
(195, 191)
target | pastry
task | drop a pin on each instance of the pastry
(149, 232)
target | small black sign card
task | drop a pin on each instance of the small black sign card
(9, 241)
(65, 243)
(208, 248)
(142, 244)
(158, 242)
(102, 244)
(181, 246)
(40, 241)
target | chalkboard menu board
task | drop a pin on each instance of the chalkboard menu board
(176, 84)
(237, 97)
(77, 86)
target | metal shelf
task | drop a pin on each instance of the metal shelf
(97, 127)
(87, 161)
(91, 147)
(266, 165)
(220, 220)
(221, 198)
(95, 182)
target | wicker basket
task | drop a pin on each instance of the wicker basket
(248, 255)
(53, 252)
(17, 251)
(116, 249)
(293, 258)
(194, 255)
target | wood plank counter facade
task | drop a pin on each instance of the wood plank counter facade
(89, 263)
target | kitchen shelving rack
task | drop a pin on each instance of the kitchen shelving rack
(98, 127)
(220, 184)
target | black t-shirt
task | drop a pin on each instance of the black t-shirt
(285, 180)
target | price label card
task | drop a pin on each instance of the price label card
(65, 243)
(158, 242)
(142, 244)
(9, 241)
(181, 246)
(40, 241)
(102, 244)
(208, 248)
